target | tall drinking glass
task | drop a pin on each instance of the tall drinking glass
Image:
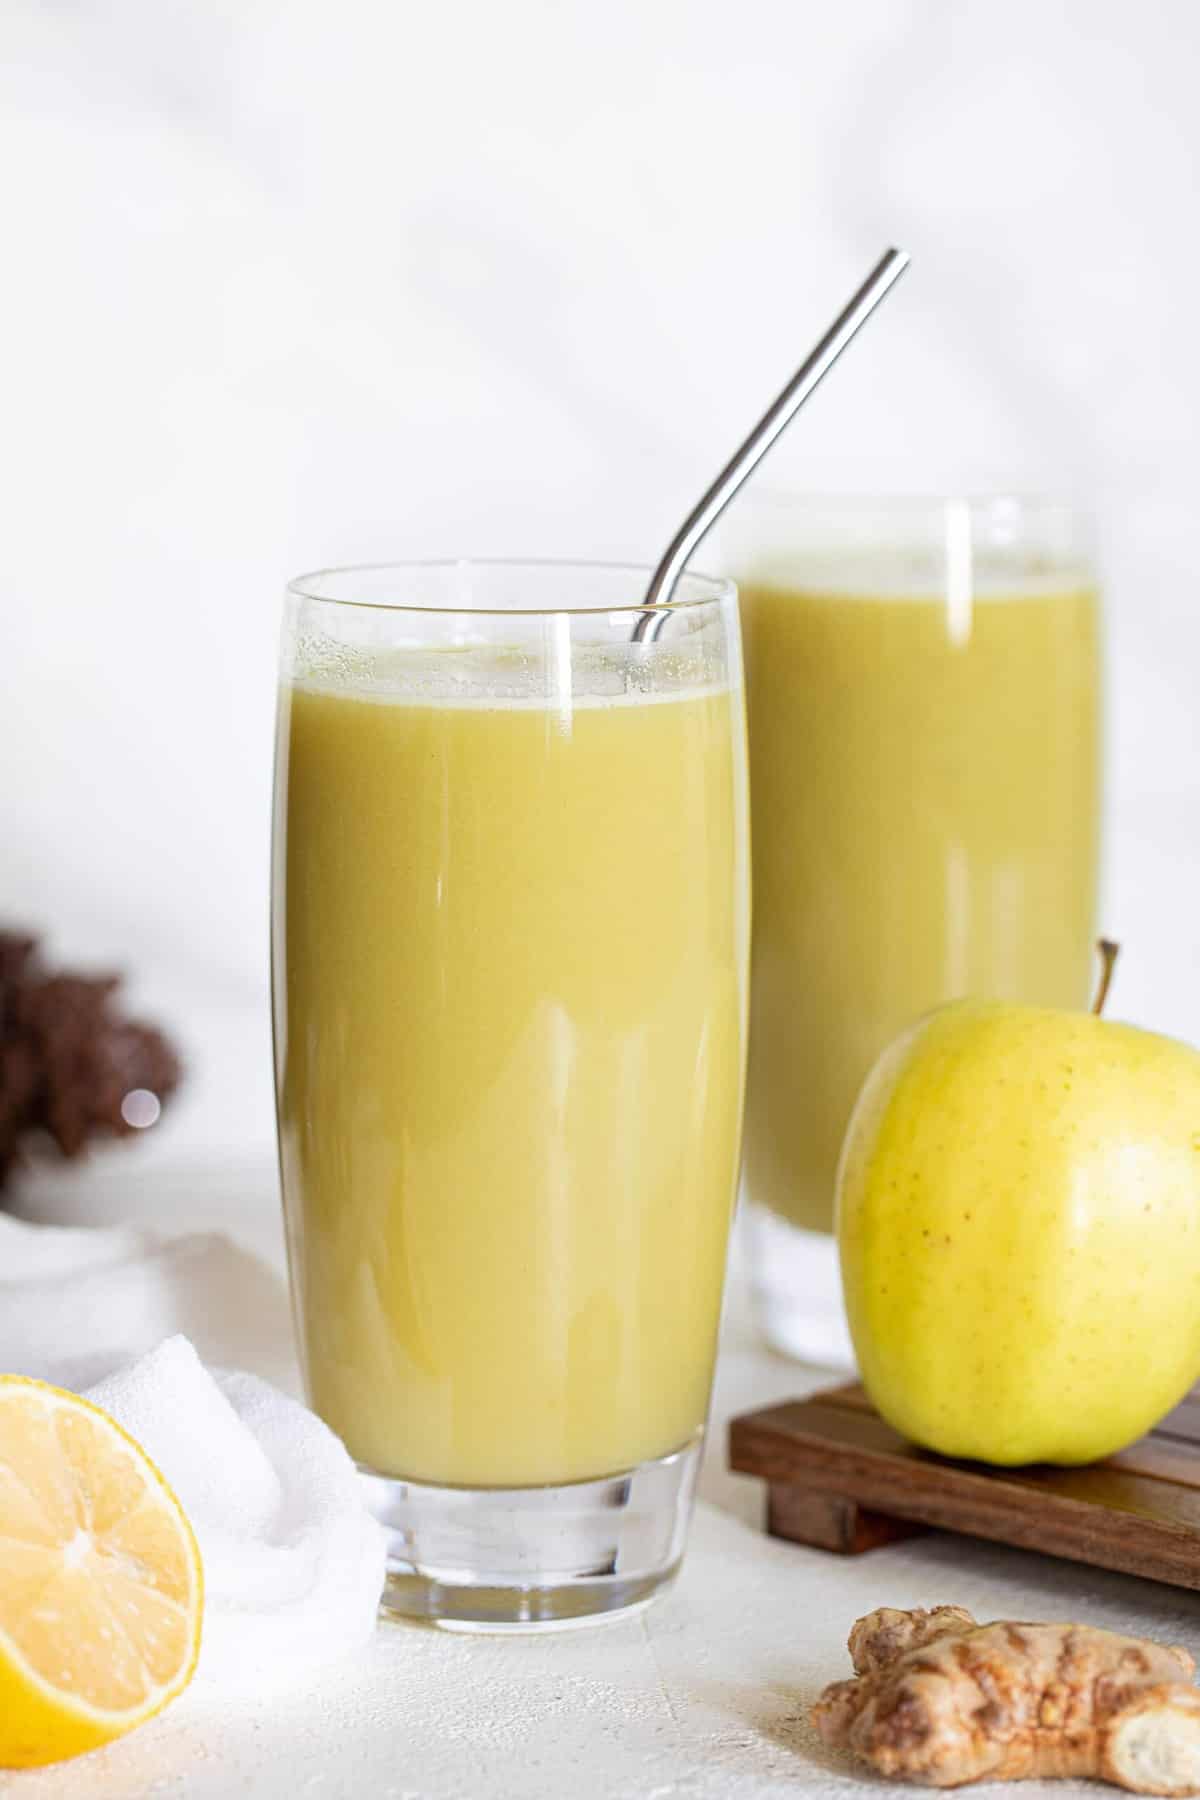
(510, 954)
(923, 685)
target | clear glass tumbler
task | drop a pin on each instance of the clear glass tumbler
(510, 991)
(923, 683)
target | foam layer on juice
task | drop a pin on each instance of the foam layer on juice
(488, 677)
(922, 574)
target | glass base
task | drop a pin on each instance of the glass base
(797, 1289)
(534, 1559)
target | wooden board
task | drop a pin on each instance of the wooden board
(840, 1479)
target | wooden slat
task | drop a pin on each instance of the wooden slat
(1184, 1421)
(824, 1521)
(1161, 1459)
(1163, 1455)
(1113, 1515)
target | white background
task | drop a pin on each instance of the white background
(289, 283)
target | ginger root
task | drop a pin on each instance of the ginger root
(942, 1700)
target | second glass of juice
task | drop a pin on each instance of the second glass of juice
(924, 701)
(510, 968)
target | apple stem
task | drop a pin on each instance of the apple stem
(1109, 953)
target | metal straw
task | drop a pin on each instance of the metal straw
(775, 420)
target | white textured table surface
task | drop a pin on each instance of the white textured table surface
(701, 1698)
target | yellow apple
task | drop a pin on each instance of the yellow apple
(1018, 1218)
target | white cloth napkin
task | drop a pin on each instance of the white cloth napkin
(293, 1561)
(77, 1302)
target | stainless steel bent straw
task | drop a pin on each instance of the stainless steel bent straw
(774, 421)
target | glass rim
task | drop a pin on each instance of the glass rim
(304, 586)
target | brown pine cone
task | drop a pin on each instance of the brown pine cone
(68, 1057)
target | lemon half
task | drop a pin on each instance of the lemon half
(101, 1587)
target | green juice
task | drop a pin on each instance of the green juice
(925, 794)
(511, 970)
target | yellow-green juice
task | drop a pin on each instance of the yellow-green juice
(510, 1040)
(925, 786)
